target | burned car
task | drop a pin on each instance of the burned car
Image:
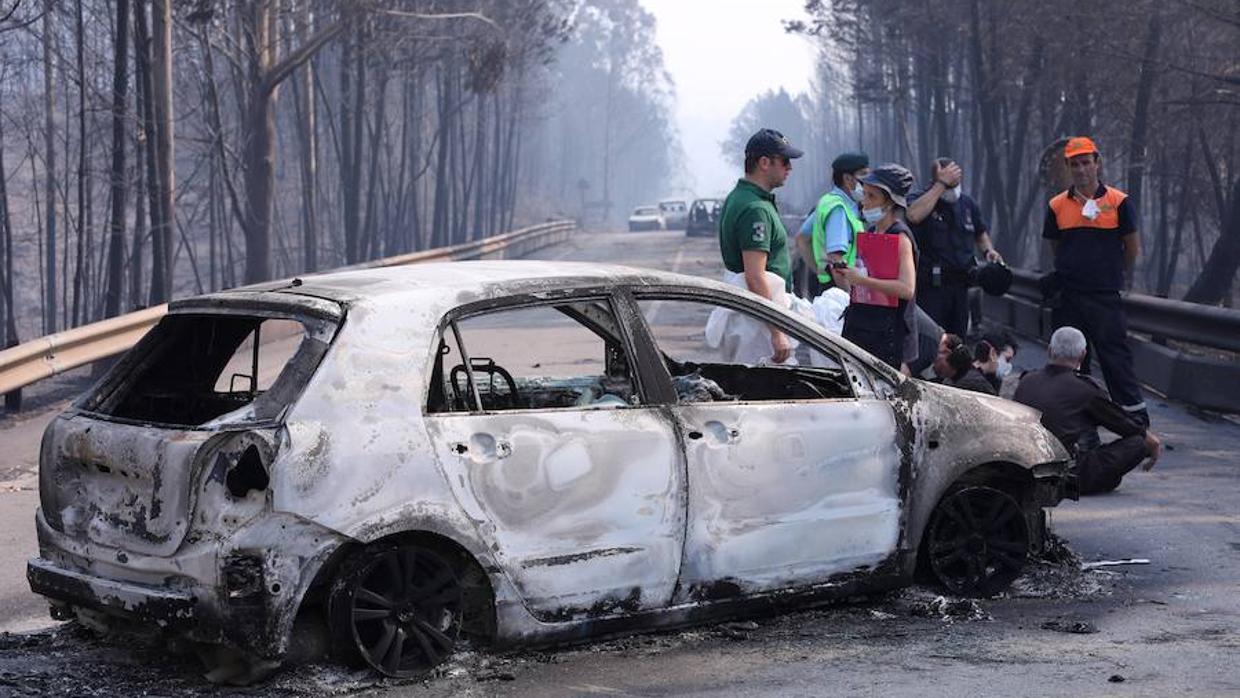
(674, 213)
(511, 454)
(703, 217)
(645, 218)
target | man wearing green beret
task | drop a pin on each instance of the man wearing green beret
(835, 222)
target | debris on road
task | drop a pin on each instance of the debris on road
(68, 659)
(1114, 563)
(738, 630)
(1076, 627)
(948, 609)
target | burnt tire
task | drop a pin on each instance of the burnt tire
(977, 542)
(397, 609)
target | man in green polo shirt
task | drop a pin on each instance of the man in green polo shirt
(752, 238)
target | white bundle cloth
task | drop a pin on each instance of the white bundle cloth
(742, 339)
(829, 309)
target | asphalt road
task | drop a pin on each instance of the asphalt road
(1167, 627)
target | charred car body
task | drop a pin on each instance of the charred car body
(703, 217)
(511, 453)
(645, 218)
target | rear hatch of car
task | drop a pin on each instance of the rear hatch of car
(122, 468)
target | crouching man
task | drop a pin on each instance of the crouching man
(1073, 407)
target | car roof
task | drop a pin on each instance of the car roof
(441, 282)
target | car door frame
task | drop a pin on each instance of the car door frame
(863, 371)
(652, 398)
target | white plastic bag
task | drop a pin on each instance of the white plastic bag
(740, 338)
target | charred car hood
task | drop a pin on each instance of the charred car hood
(957, 415)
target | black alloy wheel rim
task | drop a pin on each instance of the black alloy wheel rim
(405, 610)
(979, 541)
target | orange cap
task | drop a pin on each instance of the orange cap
(1079, 146)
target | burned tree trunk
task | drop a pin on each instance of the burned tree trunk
(8, 329)
(1140, 119)
(263, 77)
(1214, 282)
(307, 131)
(49, 167)
(352, 118)
(8, 321)
(146, 98)
(83, 225)
(116, 224)
(161, 111)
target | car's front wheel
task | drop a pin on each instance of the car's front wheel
(396, 607)
(978, 541)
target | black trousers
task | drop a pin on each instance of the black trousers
(805, 281)
(947, 304)
(1100, 316)
(878, 330)
(1101, 469)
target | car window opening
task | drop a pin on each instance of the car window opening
(192, 369)
(700, 343)
(542, 357)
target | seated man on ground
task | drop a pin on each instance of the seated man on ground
(954, 366)
(1073, 406)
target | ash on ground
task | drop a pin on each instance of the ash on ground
(67, 659)
(1057, 574)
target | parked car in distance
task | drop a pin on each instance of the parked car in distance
(674, 212)
(703, 217)
(511, 453)
(645, 218)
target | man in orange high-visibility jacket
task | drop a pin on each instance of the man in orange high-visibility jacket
(1093, 230)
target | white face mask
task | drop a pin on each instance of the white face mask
(872, 215)
(857, 193)
(952, 195)
(1003, 368)
(1090, 210)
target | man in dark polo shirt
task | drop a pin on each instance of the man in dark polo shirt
(1092, 229)
(948, 226)
(752, 238)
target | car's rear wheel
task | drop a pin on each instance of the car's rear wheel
(978, 541)
(397, 608)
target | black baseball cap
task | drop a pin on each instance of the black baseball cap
(768, 142)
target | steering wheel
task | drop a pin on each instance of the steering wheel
(511, 400)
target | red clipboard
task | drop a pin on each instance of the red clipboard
(880, 255)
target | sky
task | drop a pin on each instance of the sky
(722, 53)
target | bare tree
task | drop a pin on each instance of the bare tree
(117, 181)
(49, 171)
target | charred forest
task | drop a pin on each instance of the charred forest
(997, 86)
(154, 149)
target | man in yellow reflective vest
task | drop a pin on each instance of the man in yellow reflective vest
(835, 222)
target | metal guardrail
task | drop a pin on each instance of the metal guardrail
(1198, 378)
(1204, 325)
(53, 354)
